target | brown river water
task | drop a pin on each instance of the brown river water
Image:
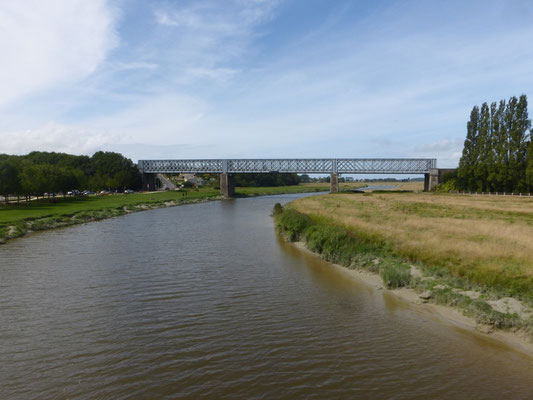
(205, 301)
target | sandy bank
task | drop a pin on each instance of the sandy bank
(516, 340)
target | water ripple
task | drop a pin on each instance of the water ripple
(204, 302)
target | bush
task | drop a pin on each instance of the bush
(449, 186)
(449, 176)
(394, 276)
(278, 209)
(292, 224)
(332, 242)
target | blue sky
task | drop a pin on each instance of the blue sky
(257, 78)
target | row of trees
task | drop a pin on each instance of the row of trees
(39, 172)
(255, 180)
(271, 179)
(498, 150)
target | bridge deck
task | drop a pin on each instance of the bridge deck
(303, 165)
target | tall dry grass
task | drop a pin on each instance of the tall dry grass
(488, 240)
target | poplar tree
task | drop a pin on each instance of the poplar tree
(498, 154)
(529, 168)
(468, 162)
(484, 148)
(519, 141)
(492, 171)
(510, 125)
(501, 149)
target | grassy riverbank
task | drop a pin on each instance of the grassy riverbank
(18, 219)
(472, 252)
(301, 188)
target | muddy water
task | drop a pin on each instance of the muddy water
(205, 301)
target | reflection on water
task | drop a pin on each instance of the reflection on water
(205, 301)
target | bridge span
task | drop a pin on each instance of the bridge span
(333, 166)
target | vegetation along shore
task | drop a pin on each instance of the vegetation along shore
(472, 253)
(42, 190)
(16, 220)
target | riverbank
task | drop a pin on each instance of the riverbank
(301, 188)
(407, 242)
(446, 314)
(19, 219)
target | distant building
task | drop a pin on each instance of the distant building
(195, 180)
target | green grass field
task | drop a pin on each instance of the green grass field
(18, 219)
(301, 188)
(70, 206)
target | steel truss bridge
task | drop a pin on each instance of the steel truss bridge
(227, 168)
(303, 166)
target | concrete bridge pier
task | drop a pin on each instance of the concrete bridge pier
(434, 177)
(227, 184)
(148, 182)
(334, 183)
(426, 182)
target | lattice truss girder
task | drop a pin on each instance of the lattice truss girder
(385, 166)
(310, 166)
(281, 165)
(180, 166)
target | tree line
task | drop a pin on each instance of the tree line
(498, 150)
(255, 180)
(270, 179)
(41, 172)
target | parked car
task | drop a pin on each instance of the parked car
(128, 191)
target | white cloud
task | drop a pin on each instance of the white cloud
(43, 43)
(447, 151)
(444, 145)
(208, 36)
(56, 137)
(204, 79)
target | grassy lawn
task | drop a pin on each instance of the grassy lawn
(70, 206)
(487, 240)
(17, 219)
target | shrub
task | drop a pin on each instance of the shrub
(278, 209)
(332, 242)
(292, 224)
(449, 186)
(394, 276)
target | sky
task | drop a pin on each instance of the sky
(257, 78)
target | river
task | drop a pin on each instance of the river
(205, 301)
